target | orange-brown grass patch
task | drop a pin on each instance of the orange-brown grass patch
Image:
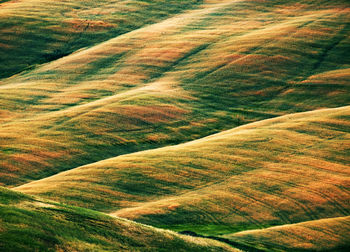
(70, 98)
(151, 113)
(132, 83)
(262, 173)
(340, 76)
(157, 137)
(85, 229)
(330, 234)
(87, 25)
(5, 45)
(291, 9)
(129, 75)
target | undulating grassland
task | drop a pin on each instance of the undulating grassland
(224, 119)
(277, 171)
(221, 65)
(33, 32)
(332, 234)
(30, 224)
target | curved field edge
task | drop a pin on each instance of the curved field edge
(32, 224)
(33, 32)
(331, 234)
(207, 70)
(278, 171)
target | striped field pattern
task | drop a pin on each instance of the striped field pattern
(224, 119)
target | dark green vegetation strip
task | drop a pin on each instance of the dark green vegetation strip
(27, 224)
(233, 243)
(230, 79)
(46, 31)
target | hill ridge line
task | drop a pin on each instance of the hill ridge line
(287, 225)
(201, 9)
(223, 133)
(84, 50)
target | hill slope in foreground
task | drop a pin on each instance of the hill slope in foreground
(225, 119)
(331, 234)
(30, 224)
(277, 171)
(206, 70)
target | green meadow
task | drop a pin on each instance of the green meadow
(225, 120)
(37, 225)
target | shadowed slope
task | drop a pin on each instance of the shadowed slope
(320, 235)
(285, 170)
(37, 31)
(29, 224)
(224, 64)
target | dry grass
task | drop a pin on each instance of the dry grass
(331, 234)
(28, 223)
(276, 171)
(167, 79)
(104, 79)
(38, 31)
(340, 77)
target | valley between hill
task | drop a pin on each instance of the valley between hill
(225, 120)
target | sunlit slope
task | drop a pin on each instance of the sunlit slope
(288, 169)
(37, 31)
(221, 65)
(331, 234)
(29, 224)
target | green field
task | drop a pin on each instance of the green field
(37, 225)
(223, 119)
(331, 234)
(277, 171)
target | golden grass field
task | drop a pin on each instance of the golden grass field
(229, 119)
(330, 234)
(154, 86)
(265, 173)
(45, 225)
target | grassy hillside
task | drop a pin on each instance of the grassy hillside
(331, 234)
(226, 120)
(30, 224)
(289, 169)
(221, 65)
(37, 31)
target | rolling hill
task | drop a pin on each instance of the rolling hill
(181, 79)
(273, 172)
(227, 121)
(330, 234)
(33, 32)
(31, 224)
